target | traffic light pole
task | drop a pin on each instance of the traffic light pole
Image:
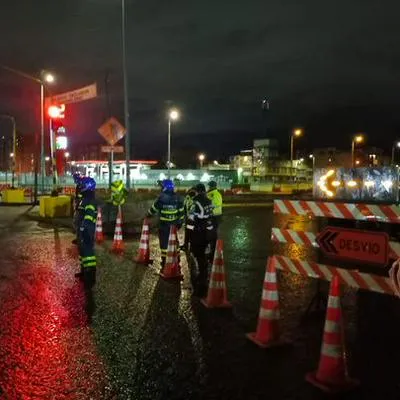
(52, 151)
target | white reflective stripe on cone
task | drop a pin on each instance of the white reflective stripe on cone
(333, 302)
(269, 314)
(270, 295)
(331, 350)
(331, 327)
(217, 285)
(270, 277)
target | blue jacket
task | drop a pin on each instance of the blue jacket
(169, 206)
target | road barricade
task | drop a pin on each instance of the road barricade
(356, 248)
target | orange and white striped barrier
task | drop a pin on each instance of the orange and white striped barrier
(355, 211)
(217, 296)
(118, 243)
(332, 376)
(267, 333)
(349, 277)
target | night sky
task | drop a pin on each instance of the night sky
(330, 67)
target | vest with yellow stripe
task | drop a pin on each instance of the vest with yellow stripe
(88, 208)
(169, 206)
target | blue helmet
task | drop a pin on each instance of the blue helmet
(168, 185)
(87, 184)
(77, 177)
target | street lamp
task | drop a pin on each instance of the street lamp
(14, 149)
(295, 133)
(356, 139)
(45, 78)
(311, 156)
(202, 157)
(395, 145)
(173, 115)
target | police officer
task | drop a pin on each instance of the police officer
(87, 229)
(119, 193)
(216, 199)
(188, 202)
(77, 199)
(169, 207)
(200, 223)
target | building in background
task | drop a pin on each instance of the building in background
(364, 156)
(264, 152)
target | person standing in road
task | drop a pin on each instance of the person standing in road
(77, 177)
(87, 230)
(216, 199)
(200, 223)
(188, 205)
(169, 207)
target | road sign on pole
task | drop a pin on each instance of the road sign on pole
(112, 149)
(354, 245)
(112, 131)
(75, 96)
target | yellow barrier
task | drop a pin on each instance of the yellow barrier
(51, 207)
(13, 196)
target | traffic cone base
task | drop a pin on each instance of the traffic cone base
(223, 304)
(350, 384)
(175, 277)
(272, 343)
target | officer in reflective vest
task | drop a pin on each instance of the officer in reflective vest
(118, 193)
(187, 206)
(200, 223)
(169, 207)
(216, 199)
(77, 199)
(87, 230)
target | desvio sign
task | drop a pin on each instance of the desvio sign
(350, 244)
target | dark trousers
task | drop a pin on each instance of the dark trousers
(199, 242)
(87, 257)
(163, 236)
(187, 238)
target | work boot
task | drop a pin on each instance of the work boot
(79, 275)
(163, 260)
(89, 277)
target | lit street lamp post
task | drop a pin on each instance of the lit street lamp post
(173, 115)
(126, 98)
(14, 149)
(202, 157)
(44, 78)
(313, 161)
(395, 145)
(356, 139)
(295, 133)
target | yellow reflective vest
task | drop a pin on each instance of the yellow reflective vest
(216, 200)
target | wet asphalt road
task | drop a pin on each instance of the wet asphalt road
(149, 339)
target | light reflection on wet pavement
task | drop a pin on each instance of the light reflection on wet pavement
(150, 339)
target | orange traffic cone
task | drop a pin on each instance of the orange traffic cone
(331, 375)
(217, 294)
(143, 256)
(267, 334)
(172, 269)
(99, 227)
(118, 244)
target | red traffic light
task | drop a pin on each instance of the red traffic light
(56, 112)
